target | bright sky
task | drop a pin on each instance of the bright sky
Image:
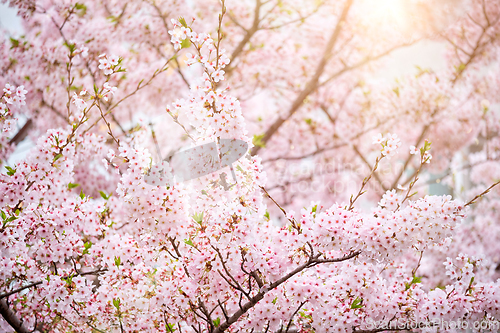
(9, 20)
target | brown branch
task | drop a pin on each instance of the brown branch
(313, 261)
(33, 284)
(473, 201)
(365, 181)
(22, 133)
(140, 85)
(375, 174)
(475, 50)
(248, 35)
(313, 83)
(235, 284)
(11, 318)
(287, 330)
(417, 143)
(53, 109)
(423, 160)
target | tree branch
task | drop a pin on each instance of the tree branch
(313, 261)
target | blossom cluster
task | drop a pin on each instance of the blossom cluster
(209, 109)
(89, 243)
(390, 143)
(14, 96)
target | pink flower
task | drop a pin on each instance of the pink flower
(218, 75)
(377, 139)
(20, 91)
(113, 59)
(9, 89)
(105, 65)
(80, 103)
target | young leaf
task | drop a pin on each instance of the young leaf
(257, 141)
(87, 246)
(72, 185)
(14, 42)
(104, 196)
(357, 303)
(198, 217)
(182, 21)
(10, 171)
(185, 43)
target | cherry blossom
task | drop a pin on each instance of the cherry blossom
(321, 224)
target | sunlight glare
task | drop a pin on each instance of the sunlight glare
(387, 11)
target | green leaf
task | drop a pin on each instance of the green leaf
(198, 218)
(170, 327)
(416, 279)
(185, 43)
(71, 47)
(314, 209)
(14, 42)
(217, 322)
(82, 8)
(68, 279)
(257, 141)
(112, 18)
(10, 171)
(58, 156)
(189, 242)
(357, 303)
(183, 22)
(2, 213)
(73, 185)
(275, 300)
(304, 315)
(82, 195)
(266, 215)
(118, 261)
(87, 246)
(104, 196)
(116, 303)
